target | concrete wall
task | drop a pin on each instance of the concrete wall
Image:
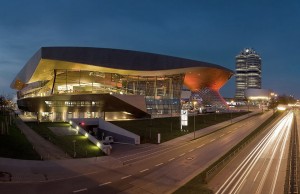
(117, 137)
(75, 124)
(122, 135)
(119, 134)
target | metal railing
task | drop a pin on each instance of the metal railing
(292, 171)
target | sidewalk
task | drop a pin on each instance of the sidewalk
(44, 148)
(207, 130)
(50, 170)
(32, 171)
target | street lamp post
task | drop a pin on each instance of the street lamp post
(248, 105)
(230, 116)
(74, 141)
(194, 119)
(171, 118)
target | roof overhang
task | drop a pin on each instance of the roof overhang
(42, 65)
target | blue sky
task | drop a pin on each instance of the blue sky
(211, 31)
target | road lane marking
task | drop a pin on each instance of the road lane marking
(171, 159)
(104, 184)
(144, 170)
(80, 190)
(125, 177)
(200, 146)
(256, 176)
(182, 154)
(212, 140)
(191, 150)
(247, 165)
(159, 164)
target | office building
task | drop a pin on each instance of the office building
(248, 72)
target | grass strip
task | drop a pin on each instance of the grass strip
(226, 126)
(83, 147)
(14, 144)
(169, 127)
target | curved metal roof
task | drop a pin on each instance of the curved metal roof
(46, 59)
(120, 59)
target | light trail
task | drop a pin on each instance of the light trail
(244, 164)
(277, 137)
(280, 158)
(273, 143)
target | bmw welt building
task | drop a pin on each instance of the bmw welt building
(60, 83)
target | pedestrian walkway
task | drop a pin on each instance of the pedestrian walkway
(50, 170)
(44, 148)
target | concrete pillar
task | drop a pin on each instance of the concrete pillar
(64, 116)
(39, 116)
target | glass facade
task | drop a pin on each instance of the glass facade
(162, 93)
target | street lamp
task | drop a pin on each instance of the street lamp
(74, 141)
(231, 116)
(194, 118)
(248, 104)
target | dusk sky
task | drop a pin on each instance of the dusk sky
(210, 31)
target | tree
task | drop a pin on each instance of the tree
(273, 104)
(284, 99)
(4, 103)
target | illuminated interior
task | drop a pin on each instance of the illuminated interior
(162, 93)
(66, 82)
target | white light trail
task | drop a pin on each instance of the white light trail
(271, 144)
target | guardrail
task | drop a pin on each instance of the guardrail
(291, 185)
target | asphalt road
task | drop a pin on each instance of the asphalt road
(158, 171)
(261, 167)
